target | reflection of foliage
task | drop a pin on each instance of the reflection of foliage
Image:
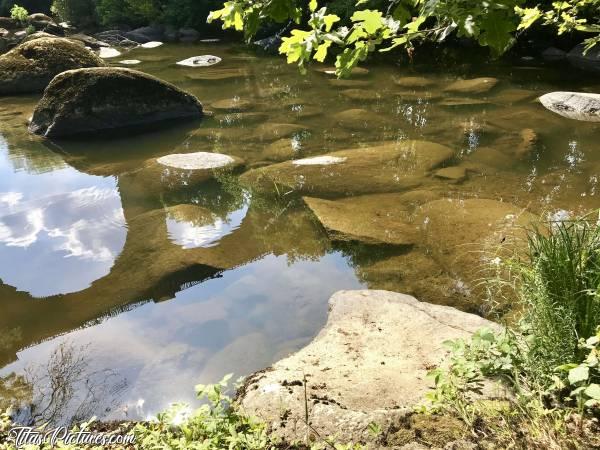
(9, 337)
(64, 389)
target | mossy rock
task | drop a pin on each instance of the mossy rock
(91, 100)
(32, 65)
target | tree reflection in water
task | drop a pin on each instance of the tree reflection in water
(63, 390)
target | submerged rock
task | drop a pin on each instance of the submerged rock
(32, 65)
(472, 86)
(235, 104)
(272, 131)
(413, 82)
(363, 95)
(281, 150)
(589, 61)
(98, 99)
(455, 173)
(367, 365)
(387, 167)
(469, 236)
(573, 105)
(360, 119)
(371, 219)
(200, 61)
(217, 74)
(341, 83)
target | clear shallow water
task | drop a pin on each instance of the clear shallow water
(146, 298)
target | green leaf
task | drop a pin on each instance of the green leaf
(371, 20)
(528, 16)
(578, 374)
(497, 29)
(593, 391)
(321, 52)
(329, 20)
(312, 5)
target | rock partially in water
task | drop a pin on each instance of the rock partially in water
(146, 34)
(455, 174)
(472, 86)
(573, 105)
(99, 99)
(88, 41)
(38, 35)
(363, 95)
(386, 167)
(589, 61)
(371, 219)
(414, 82)
(200, 61)
(108, 52)
(188, 35)
(367, 365)
(32, 65)
(235, 104)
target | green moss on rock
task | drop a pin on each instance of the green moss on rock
(32, 65)
(98, 99)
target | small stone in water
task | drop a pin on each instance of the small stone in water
(151, 44)
(200, 61)
(319, 161)
(109, 52)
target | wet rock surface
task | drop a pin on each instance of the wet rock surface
(472, 86)
(91, 100)
(368, 364)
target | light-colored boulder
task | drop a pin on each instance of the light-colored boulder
(32, 65)
(98, 99)
(200, 61)
(367, 365)
(472, 86)
(573, 105)
(371, 219)
(108, 52)
(385, 167)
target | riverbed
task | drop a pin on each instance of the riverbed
(133, 300)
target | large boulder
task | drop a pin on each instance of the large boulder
(367, 365)
(573, 105)
(146, 34)
(99, 99)
(32, 65)
(385, 167)
(589, 61)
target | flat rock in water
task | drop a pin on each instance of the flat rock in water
(573, 105)
(386, 167)
(368, 365)
(465, 236)
(272, 131)
(414, 82)
(130, 62)
(371, 219)
(455, 173)
(200, 61)
(108, 52)
(231, 104)
(196, 161)
(511, 96)
(151, 44)
(98, 99)
(281, 150)
(360, 119)
(472, 86)
(462, 101)
(363, 95)
(32, 65)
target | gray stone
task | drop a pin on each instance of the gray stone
(188, 35)
(200, 61)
